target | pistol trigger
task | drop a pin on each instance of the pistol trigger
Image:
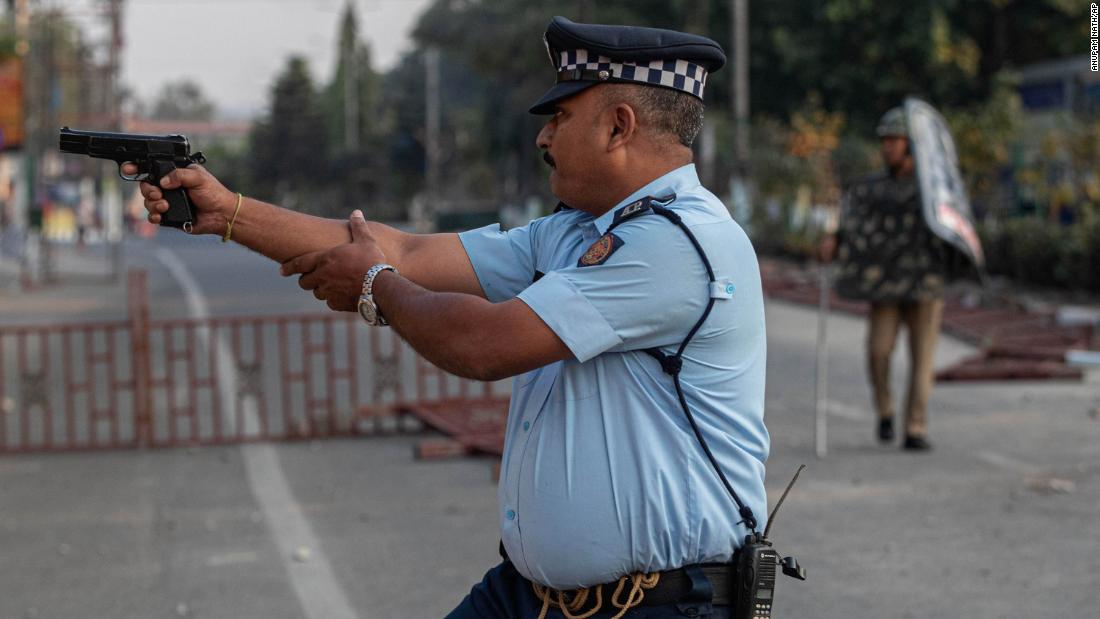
(140, 176)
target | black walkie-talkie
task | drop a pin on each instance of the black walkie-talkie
(756, 561)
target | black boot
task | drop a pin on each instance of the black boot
(886, 429)
(916, 443)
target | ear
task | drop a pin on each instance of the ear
(624, 126)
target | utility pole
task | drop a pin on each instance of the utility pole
(24, 192)
(114, 55)
(351, 102)
(110, 192)
(31, 61)
(24, 198)
(706, 143)
(348, 45)
(431, 132)
(739, 183)
(740, 46)
(46, 51)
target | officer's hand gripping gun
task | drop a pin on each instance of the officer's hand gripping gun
(154, 155)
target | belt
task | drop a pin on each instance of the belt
(684, 584)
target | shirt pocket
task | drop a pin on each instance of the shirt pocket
(575, 381)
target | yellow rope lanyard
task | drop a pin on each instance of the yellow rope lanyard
(571, 608)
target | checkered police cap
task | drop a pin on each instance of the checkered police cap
(588, 54)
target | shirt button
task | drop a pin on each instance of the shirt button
(526, 426)
(510, 515)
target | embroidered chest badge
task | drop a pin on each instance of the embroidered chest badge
(601, 250)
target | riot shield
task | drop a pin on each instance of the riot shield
(944, 202)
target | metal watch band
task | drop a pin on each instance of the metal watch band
(368, 293)
(368, 279)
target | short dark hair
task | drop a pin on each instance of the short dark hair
(663, 110)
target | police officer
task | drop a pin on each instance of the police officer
(607, 501)
(890, 257)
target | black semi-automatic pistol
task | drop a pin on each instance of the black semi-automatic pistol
(154, 155)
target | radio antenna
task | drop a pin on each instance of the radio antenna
(771, 516)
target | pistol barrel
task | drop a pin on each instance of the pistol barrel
(74, 141)
(123, 146)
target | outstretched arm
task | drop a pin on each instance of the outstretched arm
(435, 261)
(464, 334)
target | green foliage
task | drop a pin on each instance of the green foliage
(358, 174)
(499, 46)
(182, 100)
(864, 57)
(822, 72)
(7, 38)
(985, 134)
(858, 57)
(354, 84)
(55, 96)
(289, 146)
(1045, 253)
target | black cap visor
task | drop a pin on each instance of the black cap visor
(561, 90)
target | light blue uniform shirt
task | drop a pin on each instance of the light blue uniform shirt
(602, 475)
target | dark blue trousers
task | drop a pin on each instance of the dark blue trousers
(504, 594)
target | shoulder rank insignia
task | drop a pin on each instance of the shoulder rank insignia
(639, 207)
(601, 250)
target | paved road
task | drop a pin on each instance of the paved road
(999, 521)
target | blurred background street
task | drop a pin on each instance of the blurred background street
(999, 521)
(185, 433)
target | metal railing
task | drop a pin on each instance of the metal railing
(158, 383)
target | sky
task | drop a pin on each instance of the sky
(235, 48)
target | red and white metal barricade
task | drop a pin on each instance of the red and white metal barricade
(160, 383)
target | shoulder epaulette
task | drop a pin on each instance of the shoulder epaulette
(640, 207)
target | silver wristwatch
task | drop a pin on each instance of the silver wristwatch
(368, 309)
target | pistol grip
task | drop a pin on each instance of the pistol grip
(179, 213)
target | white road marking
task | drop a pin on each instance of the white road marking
(314, 582)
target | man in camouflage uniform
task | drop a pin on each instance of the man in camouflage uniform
(890, 257)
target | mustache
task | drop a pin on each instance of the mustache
(548, 159)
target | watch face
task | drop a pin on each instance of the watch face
(368, 311)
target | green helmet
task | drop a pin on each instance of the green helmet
(893, 123)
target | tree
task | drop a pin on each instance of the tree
(289, 145)
(864, 57)
(351, 99)
(855, 58)
(500, 72)
(182, 100)
(359, 175)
